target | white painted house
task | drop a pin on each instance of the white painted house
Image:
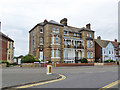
(108, 52)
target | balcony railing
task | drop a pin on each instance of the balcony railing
(72, 46)
(73, 58)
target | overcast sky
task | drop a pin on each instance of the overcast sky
(19, 16)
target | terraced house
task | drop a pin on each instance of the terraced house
(59, 42)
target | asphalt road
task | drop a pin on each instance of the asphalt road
(84, 77)
(20, 76)
(76, 77)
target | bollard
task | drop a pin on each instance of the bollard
(49, 69)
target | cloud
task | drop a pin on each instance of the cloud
(19, 16)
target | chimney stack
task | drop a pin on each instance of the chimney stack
(115, 40)
(45, 21)
(88, 26)
(64, 21)
(99, 37)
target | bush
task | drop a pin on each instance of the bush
(8, 64)
(29, 59)
(109, 61)
(84, 60)
(49, 61)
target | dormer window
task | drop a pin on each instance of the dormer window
(41, 30)
(74, 34)
(77, 35)
(66, 33)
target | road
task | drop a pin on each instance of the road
(84, 77)
(76, 77)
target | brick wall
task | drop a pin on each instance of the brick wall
(3, 48)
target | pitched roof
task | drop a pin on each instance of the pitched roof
(74, 29)
(54, 22)
(102, 43)
(86, 29)
(115, 44)
(3, 35)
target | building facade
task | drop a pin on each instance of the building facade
(105, 50)
(6, 48)
(58, 42)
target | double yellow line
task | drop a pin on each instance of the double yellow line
(37, 84)
(110, 85)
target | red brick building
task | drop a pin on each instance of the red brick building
(4, 46)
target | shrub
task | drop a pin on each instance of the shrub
(28, 59)
(36, 60)
(109, 61)
(84, 60)
(8, 64)
(49, 61)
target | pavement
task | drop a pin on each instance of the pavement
(76, 77)
(22, 76)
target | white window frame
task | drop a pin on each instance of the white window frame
(91, 54)
(53, 51)
(91, 44)
(87, 34)
(88, 54)
(57, 30)
(74, 34)
(57, 41)
(53, 29)
(87, 43)
(52, 39)
(90, 35)
(57, 53)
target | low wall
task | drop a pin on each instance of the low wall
(110, 64)
(30, 65)
(75, 64)
(3, 65)
(98, 64)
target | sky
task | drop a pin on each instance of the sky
(19, 16)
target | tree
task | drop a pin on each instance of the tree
(28, 59)
(84, 60)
